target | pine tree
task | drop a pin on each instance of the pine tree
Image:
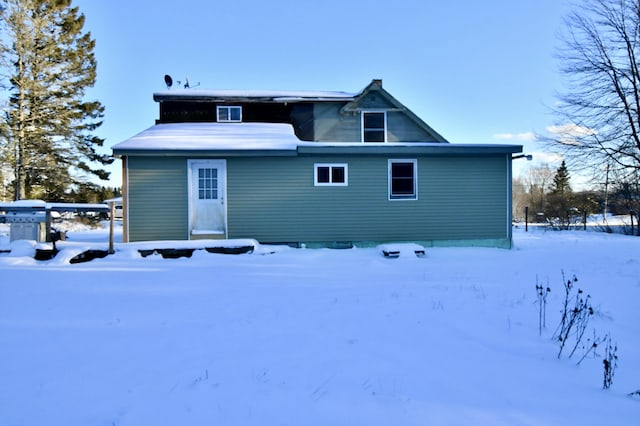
(561, 183)
(46, 124)
(561, 197)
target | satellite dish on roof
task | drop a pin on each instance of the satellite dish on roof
(168, 81)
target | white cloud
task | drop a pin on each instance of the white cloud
(570, 130)
(526, 136)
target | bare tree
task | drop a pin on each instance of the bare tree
(519, 199)
(599, 112)
(538, 182)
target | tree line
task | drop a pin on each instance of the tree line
(548, 196)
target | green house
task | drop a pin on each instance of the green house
(309, 167)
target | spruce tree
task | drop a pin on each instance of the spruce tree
(561, 183)
(48, 63)
(561, 197)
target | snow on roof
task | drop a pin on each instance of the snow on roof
(269, 95)
(39, 205)
(27, 203)
(247, 137)
(213, 136)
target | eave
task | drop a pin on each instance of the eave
(255, 96)
(315, 148)
(428, 149)
(217, 153)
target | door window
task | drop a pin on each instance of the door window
(207, 184)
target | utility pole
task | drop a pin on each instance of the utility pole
(606, 194)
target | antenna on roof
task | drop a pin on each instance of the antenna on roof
(168, 81)
(187, 85)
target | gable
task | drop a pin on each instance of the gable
(371, 100)
(406, 127)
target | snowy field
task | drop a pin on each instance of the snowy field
(317, 337)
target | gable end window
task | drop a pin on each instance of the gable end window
(229, 114)
(330, 174)
(403, 179)
(374, 126)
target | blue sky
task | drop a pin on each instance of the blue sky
(477, 72)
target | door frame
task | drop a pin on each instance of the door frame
(221, 165)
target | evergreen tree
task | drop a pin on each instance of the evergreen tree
(46, 123)
(561, 183)
(561, 197)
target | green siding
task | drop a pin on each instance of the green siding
(330, 125)
(401, 128)
(459, 198)
(274, 200)
(333, 126)
(157, 199)
(374, 100)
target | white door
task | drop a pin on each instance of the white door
(207, 191)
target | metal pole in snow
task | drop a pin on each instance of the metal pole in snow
(112, 213)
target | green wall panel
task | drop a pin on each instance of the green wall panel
(275, 200)
(157, 198)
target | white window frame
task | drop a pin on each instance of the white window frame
(228, 108)
(362, 129)
(411, 197)
(345, 166)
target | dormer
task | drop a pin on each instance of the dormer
(369, 116)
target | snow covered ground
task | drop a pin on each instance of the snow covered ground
(316, 337)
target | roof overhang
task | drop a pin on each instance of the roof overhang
(409, 148)
(217, 153)
(224, 139)
(275, 139)
(275, 96)
(26, 206)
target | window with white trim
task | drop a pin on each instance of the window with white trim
(374, 126)
(403, 179)
(227, 114)
(331, 174)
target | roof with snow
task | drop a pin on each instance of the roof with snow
(237, 139)
(39, 205)
(255, 95)
(192, 137)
